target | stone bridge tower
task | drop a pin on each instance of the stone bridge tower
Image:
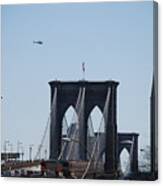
(95, 95)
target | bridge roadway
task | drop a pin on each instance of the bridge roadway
(19, 165)
(75, 167)
(33, 168)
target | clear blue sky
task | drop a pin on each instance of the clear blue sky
(114, 40)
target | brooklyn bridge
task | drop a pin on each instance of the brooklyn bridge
(84, 152)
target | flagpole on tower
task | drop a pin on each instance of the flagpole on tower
(83, 70)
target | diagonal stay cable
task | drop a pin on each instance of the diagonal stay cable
(97, 138)
(81, 106)
(69, 132)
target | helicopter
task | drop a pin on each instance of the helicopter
(38, 42)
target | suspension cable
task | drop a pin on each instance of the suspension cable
(47, 124)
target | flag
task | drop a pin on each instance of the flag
(83, 67)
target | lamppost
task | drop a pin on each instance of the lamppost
(5, 145)
(30, 152)
(45, 151)
(11, 147)
(5, 149)
(39, 151)
(18, 145)
(22, 152)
